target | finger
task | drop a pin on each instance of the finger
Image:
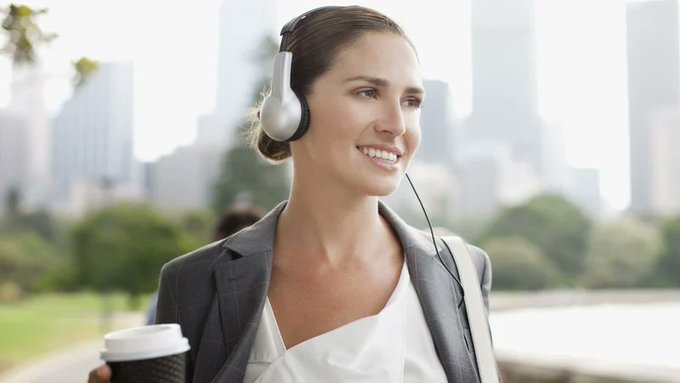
(104, 373)
(101, 374)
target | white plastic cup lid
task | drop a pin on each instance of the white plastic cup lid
(144, 342)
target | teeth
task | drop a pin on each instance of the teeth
(382, 154)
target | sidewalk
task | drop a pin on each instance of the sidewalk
(67, 366)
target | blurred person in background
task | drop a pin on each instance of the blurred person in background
(233, 219)
(331, 285)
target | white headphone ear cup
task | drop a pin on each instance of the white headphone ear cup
(281, 110)
(280, 120)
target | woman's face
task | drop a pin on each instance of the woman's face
(365, 116)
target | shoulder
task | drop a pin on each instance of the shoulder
(186, 282)
(194, 262)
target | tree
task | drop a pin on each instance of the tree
(85, 69)
(24, 259)
(39, 222)
(199, 225)
(622, 254)
(518, 264)
(669, 263)
(24, 34)
(244, 175)
(556, 226)
(124, 247)
(13, 201)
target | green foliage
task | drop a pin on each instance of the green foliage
(24, 259)
(518, 264)
(39, 222)
(23, 33)
(85, 69)
(622, 254)
(556, 226)
(33, 249)
(199, 224)
(669, 264)
(246, 177)
(123, 248)
(13, 200)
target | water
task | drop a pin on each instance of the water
(646, 336)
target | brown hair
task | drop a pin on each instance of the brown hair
(235, 218)
(315, 43)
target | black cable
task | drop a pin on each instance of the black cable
(435, 243)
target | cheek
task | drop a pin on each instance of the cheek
(413, 136)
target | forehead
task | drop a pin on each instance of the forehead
(378, 54)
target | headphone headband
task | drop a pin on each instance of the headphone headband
(290, 26)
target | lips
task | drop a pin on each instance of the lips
(382, 148)
(379, 154)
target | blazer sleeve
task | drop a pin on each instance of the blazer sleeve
(167, 310)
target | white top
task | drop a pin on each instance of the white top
(394, 345)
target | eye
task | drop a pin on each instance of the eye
(413, 102)
(369, 93)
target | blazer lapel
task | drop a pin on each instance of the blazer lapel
(242, 281)
(438, 297)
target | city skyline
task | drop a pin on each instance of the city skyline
(563, 96)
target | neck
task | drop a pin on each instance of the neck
(326, 223)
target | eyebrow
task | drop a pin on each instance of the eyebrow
(384, 83)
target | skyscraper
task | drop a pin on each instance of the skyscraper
(653, 84)
(244, 29)
(92, 134)
(499, 152)
(504, 78)
(664, 136)
(26, 165)
(184, 179)
(436, 121)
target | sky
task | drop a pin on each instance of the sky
(581, 66)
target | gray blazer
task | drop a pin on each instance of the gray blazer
(217, 294)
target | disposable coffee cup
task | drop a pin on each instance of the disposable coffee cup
(146, 354)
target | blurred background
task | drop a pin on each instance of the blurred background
(549, 139)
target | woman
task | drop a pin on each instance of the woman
(331, 285)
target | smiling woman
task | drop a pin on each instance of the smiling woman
(331, 285)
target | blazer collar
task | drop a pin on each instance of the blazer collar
(242, 280)
(260, 236)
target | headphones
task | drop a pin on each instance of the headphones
(284, 114)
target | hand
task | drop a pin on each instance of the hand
(101, 374)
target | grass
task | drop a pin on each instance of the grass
(48, 322)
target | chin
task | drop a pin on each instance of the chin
(381, 189)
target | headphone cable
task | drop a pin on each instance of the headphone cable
(435, 243)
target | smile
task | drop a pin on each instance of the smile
(383, 159)
(379, 154)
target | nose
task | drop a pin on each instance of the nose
(392, 120)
